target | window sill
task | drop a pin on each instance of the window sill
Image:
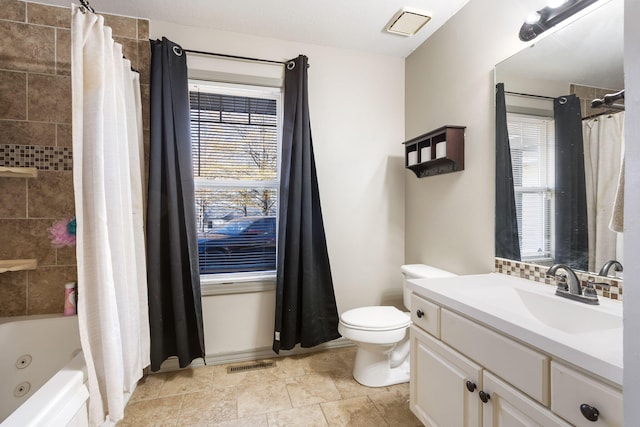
(226, 284)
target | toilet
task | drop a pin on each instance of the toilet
(381, 334)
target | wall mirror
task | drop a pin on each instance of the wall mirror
(581, 61)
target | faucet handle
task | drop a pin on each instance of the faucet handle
(561, 280)
(590, 288)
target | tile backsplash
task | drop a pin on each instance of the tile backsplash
(537, 273)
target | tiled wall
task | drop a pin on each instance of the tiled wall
(35, 131)
(588, 94)
(538, 273)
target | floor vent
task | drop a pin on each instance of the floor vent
(250, 367)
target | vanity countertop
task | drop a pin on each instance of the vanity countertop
(586, 336)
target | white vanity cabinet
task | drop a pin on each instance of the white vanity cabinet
(465, 374)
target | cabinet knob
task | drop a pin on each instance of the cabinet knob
(420, 314)
(471, 386)
(484, 396)
(589, 412)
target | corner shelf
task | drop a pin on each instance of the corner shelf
(436, 152)
(15, 172)
(17, 265)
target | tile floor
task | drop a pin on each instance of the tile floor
(308, 390)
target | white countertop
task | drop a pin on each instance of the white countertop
(587, 336)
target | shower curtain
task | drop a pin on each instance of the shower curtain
(603, 151)
(107, 177)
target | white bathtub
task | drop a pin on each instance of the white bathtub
(42, 372)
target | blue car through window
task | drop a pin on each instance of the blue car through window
(241, 245)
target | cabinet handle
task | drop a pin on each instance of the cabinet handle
(484, 396)
(471, 386)
(589, 412)
(419, 313)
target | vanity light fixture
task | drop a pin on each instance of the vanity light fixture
(555, 12)
(407, 21)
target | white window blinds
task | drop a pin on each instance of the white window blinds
(532, 155)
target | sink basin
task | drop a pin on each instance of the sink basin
(589, 336)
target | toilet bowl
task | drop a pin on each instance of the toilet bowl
(381, 335)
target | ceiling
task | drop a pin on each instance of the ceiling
(351, 24)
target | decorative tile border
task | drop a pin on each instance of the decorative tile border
(36, 156)
(538, 273)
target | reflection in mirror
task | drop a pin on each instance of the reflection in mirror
(566, 157)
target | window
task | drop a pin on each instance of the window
(235, 134)
(532, 155)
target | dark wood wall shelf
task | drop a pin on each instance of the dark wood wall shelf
(436, 152)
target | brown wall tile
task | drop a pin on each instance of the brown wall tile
(46, 289)
(144, 99)
(51, 195)
(144, 60)
(13, 198)
(129, 50)
(49, 15)
(13, 10)
(13, 91)
(27, 133)
(49, 98)
(63, 52)
(27, 239)
(122, 26)
(66, 256)
(64, 136)
(13, 293)
(26, 47)
(143, 29)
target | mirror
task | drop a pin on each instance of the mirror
(584, 58)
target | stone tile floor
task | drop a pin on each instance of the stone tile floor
(309, 390)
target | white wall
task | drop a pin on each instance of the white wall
(631, 209)
(449, 80)
(357, 119)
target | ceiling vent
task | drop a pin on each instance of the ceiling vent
(407, 21)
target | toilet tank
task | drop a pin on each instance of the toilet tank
(419, 271)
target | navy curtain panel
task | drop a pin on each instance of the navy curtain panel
(506, 226)
(306, 310)
(175, 307)
(571, 240)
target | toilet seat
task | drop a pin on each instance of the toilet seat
(375, 318)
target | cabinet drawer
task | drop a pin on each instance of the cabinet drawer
(429, 319)
(524, 368)
(570, 389)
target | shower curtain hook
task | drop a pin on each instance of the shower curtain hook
(87, 6)
(177, 50)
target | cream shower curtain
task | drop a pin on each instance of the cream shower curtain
(603, 149)
(112, 289)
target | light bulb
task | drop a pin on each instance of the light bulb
(533, 18)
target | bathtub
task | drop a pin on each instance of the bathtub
(42, 371)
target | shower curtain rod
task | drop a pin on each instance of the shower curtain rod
(527, 95)
(242, 58)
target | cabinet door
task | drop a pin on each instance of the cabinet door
(570, 389)
(507, 407)
(439, 395)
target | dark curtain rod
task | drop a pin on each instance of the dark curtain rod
(243, 58)
(527, 95)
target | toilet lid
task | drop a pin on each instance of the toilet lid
(375, 318)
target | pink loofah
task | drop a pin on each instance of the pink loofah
(60, 234)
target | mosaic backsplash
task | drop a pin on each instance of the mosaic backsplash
(36, 156)
(537, 273)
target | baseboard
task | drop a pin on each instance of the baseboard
(172, 364)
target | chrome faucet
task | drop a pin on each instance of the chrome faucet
(604, 271)
(572, 289)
